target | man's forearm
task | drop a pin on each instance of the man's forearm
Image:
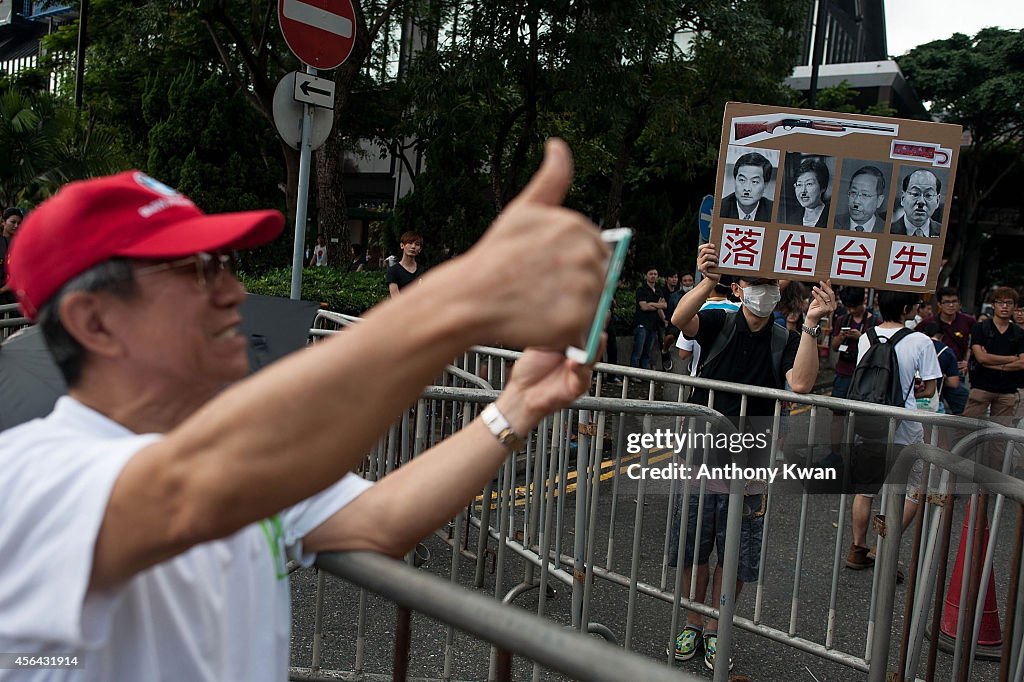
(993, 361)
(805, 366)
(690, 303)
(417, 498)
(1015, 364)
(335, 399)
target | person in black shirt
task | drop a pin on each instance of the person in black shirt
(406, 271)
(997, 351)
(746, 359)
(646, 321)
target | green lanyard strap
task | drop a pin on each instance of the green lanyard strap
(274, 534)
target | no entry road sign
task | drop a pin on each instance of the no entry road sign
(320, 32)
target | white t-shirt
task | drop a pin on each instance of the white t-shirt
(691, 345)
(916, 355)
(220, 611)
(320, 252)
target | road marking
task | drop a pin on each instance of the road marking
(654, 457)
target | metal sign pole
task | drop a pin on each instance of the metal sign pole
(305, 152)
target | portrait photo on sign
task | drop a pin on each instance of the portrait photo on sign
(919, 202)
(862, 192)
(748, 188)
(806, 195)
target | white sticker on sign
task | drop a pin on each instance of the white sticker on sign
(304, 13)
(797, 253)
(853, 258)
(741, 247)
(908, 263)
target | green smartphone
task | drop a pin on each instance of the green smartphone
(620, 237)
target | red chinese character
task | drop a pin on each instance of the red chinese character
(742, 246)
(906, 258)
(853, 262)
(799, 251)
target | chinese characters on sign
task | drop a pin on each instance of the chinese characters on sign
(797, 253)
(854, 258)
(742, 247)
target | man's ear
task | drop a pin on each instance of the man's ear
(85, 316)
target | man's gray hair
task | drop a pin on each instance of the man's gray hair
(113, 276)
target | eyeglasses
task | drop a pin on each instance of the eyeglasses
(863, 196)
(209, 267)
(1002, 302)
(916, 195)
(953, 302)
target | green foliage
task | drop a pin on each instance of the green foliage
(45, 142)
(842, 98)
(625, 304)
(351, 293)
(977, 82)
(176, 81)
(641, 110)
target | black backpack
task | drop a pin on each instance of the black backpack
(876, 380)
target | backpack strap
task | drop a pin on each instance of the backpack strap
(725, 335)
(894, 339)
(780, 338)
(900, 335)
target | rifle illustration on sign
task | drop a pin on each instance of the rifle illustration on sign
(743, 130)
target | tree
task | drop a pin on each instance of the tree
(977, 82)
(637, 89)
(45, 143)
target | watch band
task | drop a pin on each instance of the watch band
(502, 430)
(814, 331)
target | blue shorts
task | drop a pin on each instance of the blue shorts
(841, 389)
(712, 534)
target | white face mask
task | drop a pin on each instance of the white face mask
(761, 299)
(686, 289)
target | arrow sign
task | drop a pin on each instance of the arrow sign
(704, 218)
(312, 90)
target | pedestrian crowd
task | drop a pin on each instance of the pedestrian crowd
(757, 331)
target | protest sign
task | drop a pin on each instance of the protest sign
(815, 195)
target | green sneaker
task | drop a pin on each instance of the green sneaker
(687, 643)
(710, 649)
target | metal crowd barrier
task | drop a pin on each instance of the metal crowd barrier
(11, 319)
(528, 514)
(514, 630)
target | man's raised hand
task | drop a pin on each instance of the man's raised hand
(540, 267)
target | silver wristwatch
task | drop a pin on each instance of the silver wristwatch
(814, 331)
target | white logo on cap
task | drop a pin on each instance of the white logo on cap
(155, 185)
(171, 196)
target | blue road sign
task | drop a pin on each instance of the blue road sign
(704, 221)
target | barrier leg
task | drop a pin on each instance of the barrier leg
(1011, 601)
(727, 605)
(885, 569)
(403, 638)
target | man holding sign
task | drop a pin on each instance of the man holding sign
(755, 353)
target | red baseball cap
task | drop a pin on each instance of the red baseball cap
(127, 215)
